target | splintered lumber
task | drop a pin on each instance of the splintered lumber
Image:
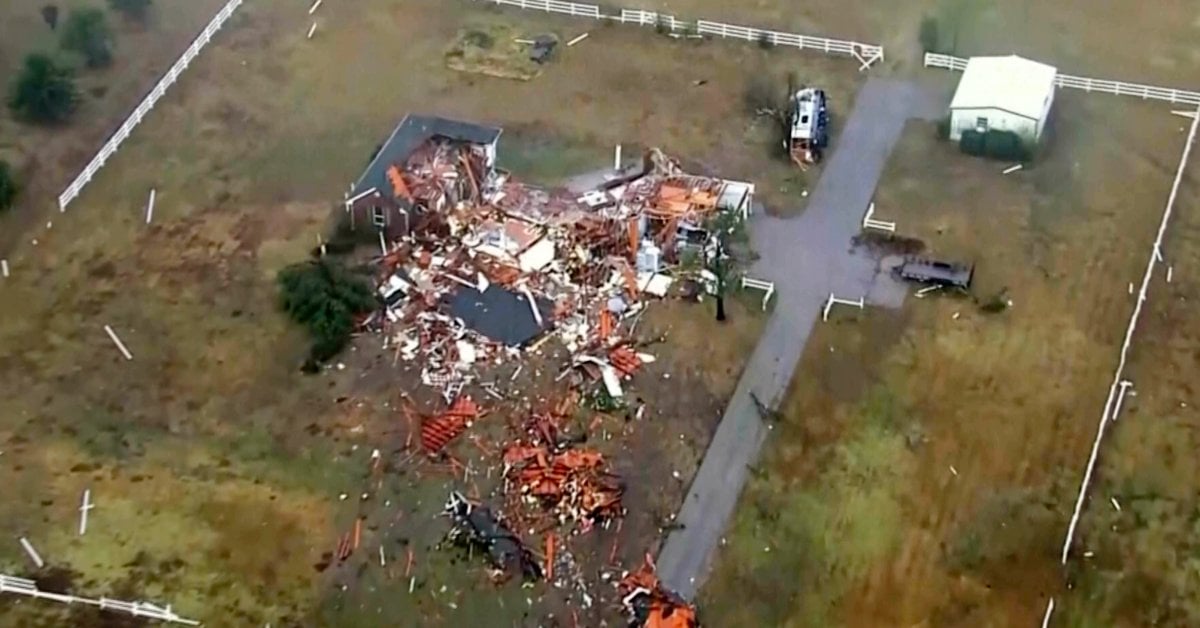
(606, 324)
(33, 555)
(625, 360)
(117, 341)
(150, 206)
(399, 187)
(84, 507)
(437, 432)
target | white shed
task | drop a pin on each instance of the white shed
(1005, 94)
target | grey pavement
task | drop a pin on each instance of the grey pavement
(807, 257)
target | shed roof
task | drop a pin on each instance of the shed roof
(1014, 84)
(412, 131)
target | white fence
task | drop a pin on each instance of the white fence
(1118, 88)
(1118, 376)
(934, 60)
(554, 6)
(24, 586)
(803, 42)
(768, 288)
(865, 53)
(146, 105)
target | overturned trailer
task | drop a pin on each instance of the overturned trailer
(809, 125)
(936, 272)
(477, 526)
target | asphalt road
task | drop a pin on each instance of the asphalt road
(807, 257)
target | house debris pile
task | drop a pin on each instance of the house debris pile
(566, 483)
(491, 268)
(488, 272)
(648, 605)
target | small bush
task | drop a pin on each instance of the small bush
(88, 34)
(1001, 145)
(324, 296)
(662, 26)
(929, 36)
(135, 9)
(765, 41)
(43, 92)
(8, 186)
(971, 143)
(1004, 145)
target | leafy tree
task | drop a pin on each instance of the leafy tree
(87, 33)
(324, 296)
(43, 91)
(135, 9)
(8, 186)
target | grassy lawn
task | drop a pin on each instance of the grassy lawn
(944, 445)
(220, 474)
(46, 159)
(1138, 563)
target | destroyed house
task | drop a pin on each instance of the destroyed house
(476, 266)
(386, 197)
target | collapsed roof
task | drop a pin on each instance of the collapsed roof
(490, 265)
(412, 132)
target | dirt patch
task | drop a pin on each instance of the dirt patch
(497, 49)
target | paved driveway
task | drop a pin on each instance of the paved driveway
(807, 257)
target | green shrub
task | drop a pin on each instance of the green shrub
(1004, 145)
(43, 91)
(971, 143)
(88, 34)
(1001, 145)
(324, 296)
(765, 41)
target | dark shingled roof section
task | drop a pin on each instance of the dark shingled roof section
(408, 135)
(500, 314)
